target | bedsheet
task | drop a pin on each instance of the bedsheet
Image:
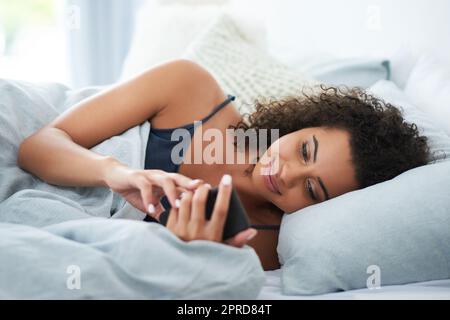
(435, 290)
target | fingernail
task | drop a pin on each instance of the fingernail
(151, 209)
(177, 203)
(226, 180)
(252, 235)
(208, 185)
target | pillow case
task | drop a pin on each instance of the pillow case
(157, 38)
(438, 140)
(428, 87)
(397, 231)
(357, 72)
(241, 68)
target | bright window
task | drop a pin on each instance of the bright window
(33, 40)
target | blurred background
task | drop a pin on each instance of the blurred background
(98, 42)
(80, 42)
(31, 40)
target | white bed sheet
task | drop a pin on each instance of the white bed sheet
(436, 290)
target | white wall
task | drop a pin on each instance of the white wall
(357, 27)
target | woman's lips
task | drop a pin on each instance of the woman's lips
(270, 179)
(271, 184)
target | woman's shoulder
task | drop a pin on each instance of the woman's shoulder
(198, 85)
(197, 95)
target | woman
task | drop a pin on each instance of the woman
(331, 142)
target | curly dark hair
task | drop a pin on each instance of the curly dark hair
(382, 144)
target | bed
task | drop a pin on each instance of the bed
(381, 48)
(40, 223)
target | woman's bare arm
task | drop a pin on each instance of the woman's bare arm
(59, 153)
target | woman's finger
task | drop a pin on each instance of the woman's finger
(149, 200)
(151, 196)
(221, 206)
(186, 182)
(184, 210)
(173, 219)
(242, 238)
(198, 205)
(169, 187)
(161, 179)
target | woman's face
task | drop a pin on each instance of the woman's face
(305, 167)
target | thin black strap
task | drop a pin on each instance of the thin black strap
(218, 107)
(265, 226)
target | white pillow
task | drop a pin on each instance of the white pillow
(241, 68)
(438, 140)
(162, 32)
(429, 88)
(396, 232)
(402, 63)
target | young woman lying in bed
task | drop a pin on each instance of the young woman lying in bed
(330, 142)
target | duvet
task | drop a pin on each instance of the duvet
(61, 242)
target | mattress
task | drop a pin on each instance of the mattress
(435, 290)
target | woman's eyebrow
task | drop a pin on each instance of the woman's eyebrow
(325, 191)
(316, 147)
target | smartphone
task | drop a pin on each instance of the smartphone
(237, 219)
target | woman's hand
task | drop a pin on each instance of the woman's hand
(144, 188)
(188, 220)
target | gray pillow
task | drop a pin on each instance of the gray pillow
(353, 72)
(395, 232)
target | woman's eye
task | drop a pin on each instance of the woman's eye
(310, 190)
(304, 151)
